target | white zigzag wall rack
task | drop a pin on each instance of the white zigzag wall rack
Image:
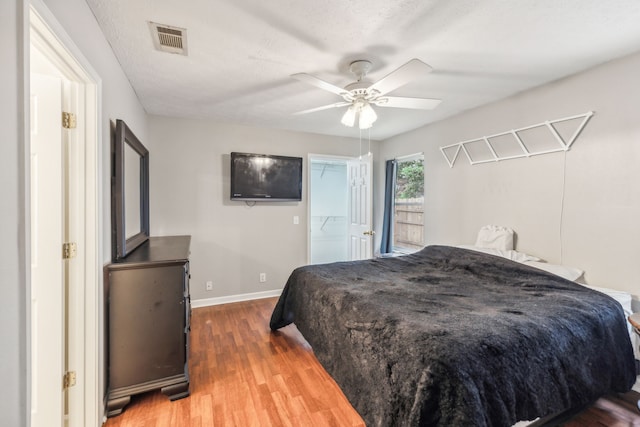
(513, 144)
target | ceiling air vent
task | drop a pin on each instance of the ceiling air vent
(169, 39)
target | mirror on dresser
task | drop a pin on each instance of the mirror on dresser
(129, 193)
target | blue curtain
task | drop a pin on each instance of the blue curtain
(386, 245)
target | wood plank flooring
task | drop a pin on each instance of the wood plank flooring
(243, 375)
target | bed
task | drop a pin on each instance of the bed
(453, 337)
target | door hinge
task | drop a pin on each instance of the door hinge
(69, 250)
(68, 120)
(69, 379)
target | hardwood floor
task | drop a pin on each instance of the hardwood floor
(244, 375)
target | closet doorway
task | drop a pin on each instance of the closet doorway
(339, 209)
(328, 209)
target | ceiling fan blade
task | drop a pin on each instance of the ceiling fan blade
(314, 81)
(402, 102)
(401, 76)
(324, 107)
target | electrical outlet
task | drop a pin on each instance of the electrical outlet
(209, 285)
(296, 220)
(263, 277)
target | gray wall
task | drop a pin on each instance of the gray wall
(596, 228)
(232, 243)
(13, 352)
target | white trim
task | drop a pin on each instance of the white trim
(234, 298)
(87, 330)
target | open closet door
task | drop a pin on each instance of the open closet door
(47, 266)
(360, 208)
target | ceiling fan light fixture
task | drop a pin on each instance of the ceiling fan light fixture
(349, 117)
(367, 116)
(360, 94)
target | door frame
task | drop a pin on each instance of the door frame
(84, 308)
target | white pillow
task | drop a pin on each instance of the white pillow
(495, 237)
(569, 273)
(512, 255)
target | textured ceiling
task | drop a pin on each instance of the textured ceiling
(242, 52)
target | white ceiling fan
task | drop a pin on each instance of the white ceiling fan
(361, 94)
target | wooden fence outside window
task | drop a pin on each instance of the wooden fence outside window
(408, 227)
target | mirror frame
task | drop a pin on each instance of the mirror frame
(121, 246)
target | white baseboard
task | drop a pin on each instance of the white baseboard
(234, 298)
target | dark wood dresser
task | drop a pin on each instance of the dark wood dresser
(148, 321)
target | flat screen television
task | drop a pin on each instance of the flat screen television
(264, 177)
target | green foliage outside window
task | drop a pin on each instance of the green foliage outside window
(410, 179)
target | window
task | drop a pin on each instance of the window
(408, 222)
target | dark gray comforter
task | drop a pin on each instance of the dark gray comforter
(452, 337)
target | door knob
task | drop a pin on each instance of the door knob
(369, 233)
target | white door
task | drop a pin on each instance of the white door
(360, 206)
(47, 273)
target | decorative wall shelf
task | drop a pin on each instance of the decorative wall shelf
(524, 142)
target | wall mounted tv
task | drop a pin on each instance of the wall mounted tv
(264, 177)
